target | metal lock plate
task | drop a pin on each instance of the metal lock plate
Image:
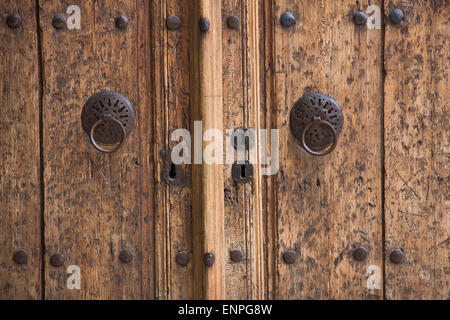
(108, 117)
(316, 121)
(172, 174)
(242, 172)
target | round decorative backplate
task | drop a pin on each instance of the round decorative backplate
(316, 106)
(114, 106)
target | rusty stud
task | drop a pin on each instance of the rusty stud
(360, 253)
(290, 256)
(360, 18)
(287, 19)
(14, 20)
(126, 255)
(20, 256)
(204, 25)
(397, 256)
(396, 16)
(59, 21)
(121, 22)
(209, 259)
(173, 23)
(233, 22)
(57, 259)
(182, 258)
(236, 255)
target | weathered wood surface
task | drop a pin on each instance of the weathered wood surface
(97, 204)
(94, 204)
(243, 215)
(20, 196)
(235, 208)
(173, 227)
(256, 235)
(324, 206)
(417, 150)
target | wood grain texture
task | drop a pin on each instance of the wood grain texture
(235, 209)
(243, 214)
(255, 221)
(207, 179)
(326, 205)
(20, 203)
(90, 205)
(417, 150)
(97, 204)
(173, 218)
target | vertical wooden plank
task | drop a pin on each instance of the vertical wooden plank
(20, 203)
(96, 204)
(146, 138)
(159, 103)
(234, 103)
(243, 213)
(327, 205)
(172, 103)
(207, 179)
(417, 150)
(178, 111)
(256, 236)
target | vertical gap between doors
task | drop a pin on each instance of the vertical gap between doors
(41, 145)
(383, 171)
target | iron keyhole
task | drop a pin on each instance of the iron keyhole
(173, 172)
(243, 173)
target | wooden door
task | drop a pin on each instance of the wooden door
(367, 221)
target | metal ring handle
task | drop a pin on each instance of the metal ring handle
(96, 124)
(319, 121)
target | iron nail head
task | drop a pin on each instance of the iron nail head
(20, 256)
(126, 256)
(209, 259)
(396, 16)
(182, 258)
(290, 256)
(287, 19)
(173, 23)
(57, 259)
(360, 253)
(204, 24)
(14, 20)
(59, 21)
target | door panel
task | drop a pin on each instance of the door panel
(243, 215)
(326, 206)
(173, 218)
(96, 204)
(417, 149)
(20, 174)
(236, 195)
